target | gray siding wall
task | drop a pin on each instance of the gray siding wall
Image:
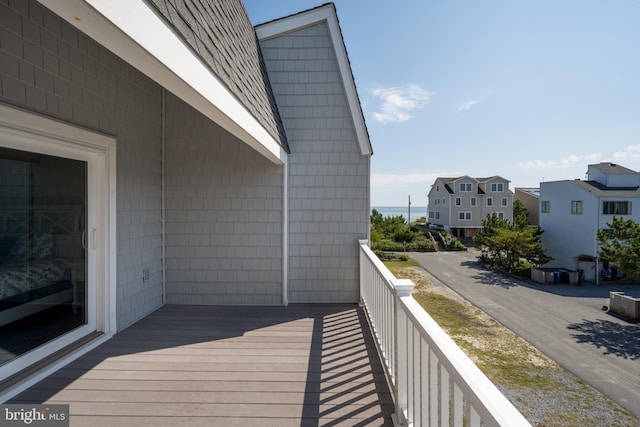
(328, 177)
(224, 207)
(48, 67)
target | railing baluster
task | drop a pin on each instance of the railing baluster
(433, 389)
(424, 379)
(445, 397)
(458, 406)
(418, 415)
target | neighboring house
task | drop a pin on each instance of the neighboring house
(461, 204)
(168, 152)
(572, 211)
(530, 199)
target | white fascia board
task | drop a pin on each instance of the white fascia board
(134, 32)
(326, 14)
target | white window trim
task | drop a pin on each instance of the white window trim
(30, 132)
(576, 207)
(499, 187)
(489, 201)
(546, 203)
(474, 201)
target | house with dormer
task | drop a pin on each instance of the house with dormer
(460, 204)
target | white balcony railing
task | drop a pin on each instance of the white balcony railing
(433, 382)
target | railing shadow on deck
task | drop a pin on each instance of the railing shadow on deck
(433, 382)
(344, 379)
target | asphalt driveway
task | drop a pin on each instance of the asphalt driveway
(565, 322)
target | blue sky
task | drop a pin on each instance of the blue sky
(531, 90)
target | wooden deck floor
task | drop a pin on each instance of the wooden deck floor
(302, 365)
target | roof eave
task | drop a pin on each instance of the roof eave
(157, 52)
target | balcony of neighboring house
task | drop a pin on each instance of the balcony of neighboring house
(383, 362)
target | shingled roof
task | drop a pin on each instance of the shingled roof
(221, 34)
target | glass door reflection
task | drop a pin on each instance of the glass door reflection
(42, 258)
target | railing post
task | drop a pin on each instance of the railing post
(363, 273)
(402, 289)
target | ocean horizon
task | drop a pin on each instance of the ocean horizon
(416, 211)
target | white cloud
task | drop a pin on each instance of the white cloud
(466, 105)
(593, 158)
(537, 164)
(399, 102)
(629, 154)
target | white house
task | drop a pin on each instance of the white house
(572, 211)
(166, 151)
(461, 204)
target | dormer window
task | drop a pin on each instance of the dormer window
(497, 187)
(465, 187)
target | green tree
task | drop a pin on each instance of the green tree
(520, 215)
(620, 245)
(506, 244)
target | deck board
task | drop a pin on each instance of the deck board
(303, 365)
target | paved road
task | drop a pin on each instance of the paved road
(565, 322)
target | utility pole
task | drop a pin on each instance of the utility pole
(409, 218)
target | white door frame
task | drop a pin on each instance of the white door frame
(27, 131)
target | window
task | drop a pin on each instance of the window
(489, 201)
(576, 207)
(465, 187)
(444, 201)
(437, 188)
(474, 201)
(545, 206)
(438, 215)
(437, 201)
(497, 187)
(458, 201)
(500, 215)
(464, 216)
(430, 214)
(616, 208)
(505, 201)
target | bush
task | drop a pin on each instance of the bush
(456, 245)
(404, 235)
(387, 245)
(421, 243)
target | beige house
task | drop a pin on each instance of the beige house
(461, 204)
(530, 199)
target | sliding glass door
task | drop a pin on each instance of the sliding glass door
(57, 239)
(43, 266)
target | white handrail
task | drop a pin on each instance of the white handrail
(434, 382)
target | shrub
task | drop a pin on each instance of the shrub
(421, 243)
(387, 245)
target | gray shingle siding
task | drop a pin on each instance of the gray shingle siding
(221, 34)
(224, 216)
(328, 176)
(48, 67)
